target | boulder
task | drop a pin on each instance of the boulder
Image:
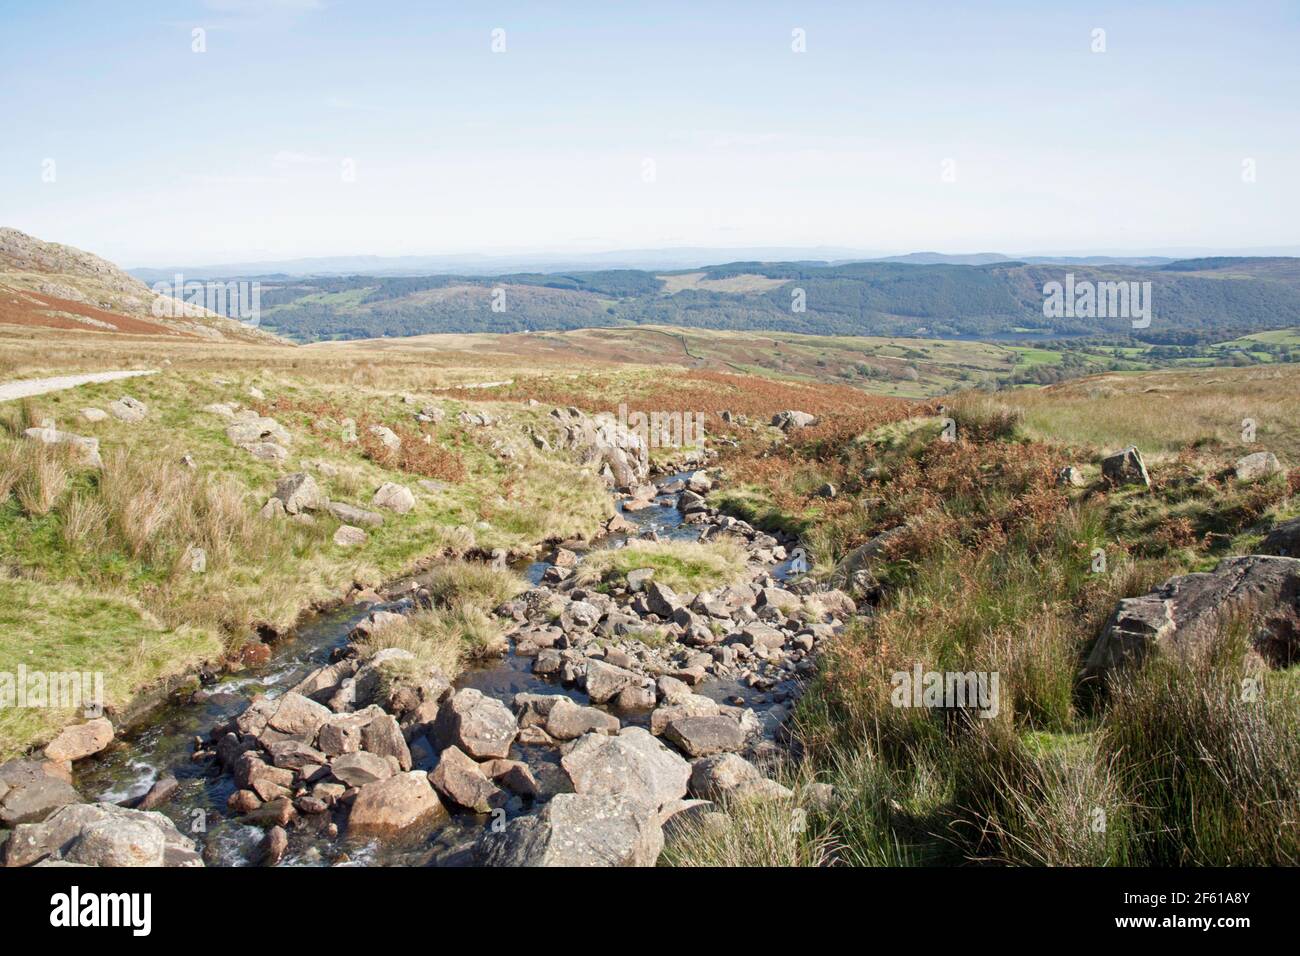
(161, 792)
(463, 782)
(515, 775)
(360, 517)
(101, 834)
(30, 790)
(94, 414)
(779, 598)
(576, 829)
(632, 763)
(861, 558)
(394, 497)
(1257, 465)
(266, 451)
(761, 636)
(1187, 612)
(480, 726)
(79, 741)
(255, 430)
(382, 736)
(1125, 468)
(274, 845)
(683, 705)
(299, 492)
(298, 715)
(1069, 477)
(1283, 540)
(661, 599)
(790, 420)
(604, 681)
(637, 579)
(391, 805)
(703, 736)
(85, 449)
(359, 768)
(341, 733)
(729, 776)
(569, 721)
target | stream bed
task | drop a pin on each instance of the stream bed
(164, 743)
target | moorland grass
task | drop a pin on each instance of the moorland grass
(689, 566)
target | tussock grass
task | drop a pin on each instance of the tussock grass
(996, 574)
(42, 479)
(1214, 769)
(690, 566)
(749, 833)
(980, 416)
(474, 583)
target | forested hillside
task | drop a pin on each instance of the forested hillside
(1193, 300)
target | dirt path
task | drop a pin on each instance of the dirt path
(39, 386)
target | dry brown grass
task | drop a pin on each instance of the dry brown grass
(1165, 412)
(42, 479)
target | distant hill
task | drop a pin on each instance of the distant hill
(1195, 300)
(49, 285)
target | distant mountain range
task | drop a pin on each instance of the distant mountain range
(933, 295)
(685, 257)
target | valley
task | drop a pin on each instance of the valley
(355, 601)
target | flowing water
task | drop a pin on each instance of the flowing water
(165, 742)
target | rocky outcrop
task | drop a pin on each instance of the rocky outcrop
(1187, 612)
(622, 454)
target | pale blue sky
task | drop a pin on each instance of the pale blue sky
(164, 156)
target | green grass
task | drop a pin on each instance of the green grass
(58, 628)
(682, 565)
(123, 530)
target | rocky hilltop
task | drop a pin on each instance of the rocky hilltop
(52, 285)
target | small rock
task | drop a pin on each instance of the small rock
(349, 537)
(82, 740)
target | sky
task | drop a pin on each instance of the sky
(342, 127)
